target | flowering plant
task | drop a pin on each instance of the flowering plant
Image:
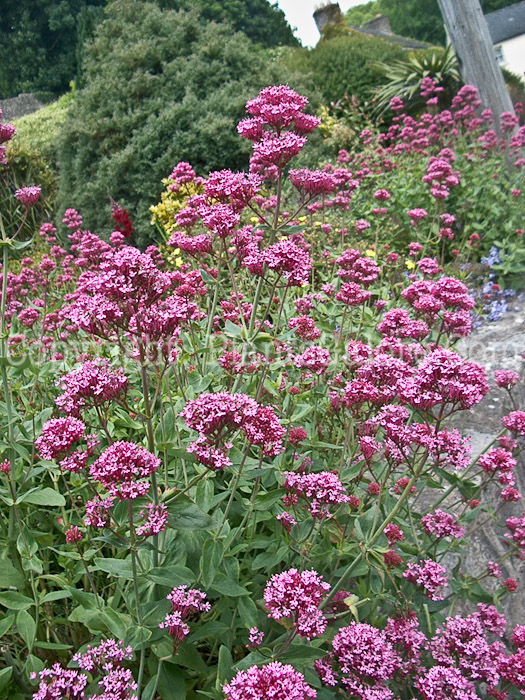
(241, 475)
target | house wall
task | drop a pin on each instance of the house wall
(514, 55)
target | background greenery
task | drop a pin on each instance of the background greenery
(160, 86)
(419, 19)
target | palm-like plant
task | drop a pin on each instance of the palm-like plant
(403, 78)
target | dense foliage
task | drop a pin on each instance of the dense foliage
(346, 64)
(229, 465)
(39, 43)
(159, 87)
(419, 19)
(42, 42)
(262, 22)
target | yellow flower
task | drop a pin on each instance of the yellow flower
(410, 264)
(370, 253)
(178, 262)
(254, 220)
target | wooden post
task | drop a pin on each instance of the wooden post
(469, 34)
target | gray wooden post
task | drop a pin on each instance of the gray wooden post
(469, 34)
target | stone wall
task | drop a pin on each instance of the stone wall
(15, 107)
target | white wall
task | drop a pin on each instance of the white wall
(514, 55)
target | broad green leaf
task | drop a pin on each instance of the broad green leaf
(26, 627)
(5, 624)
(121, 568)
(228, 587)
(171, 576)
(52, 645)
(211, 558)
(9, 576)
(43, 497)
(224, 666)
(138, 637)
(172, 682)
(247, 612)
(301, 655)
(15, 601)
(5, 676)
(184, 515)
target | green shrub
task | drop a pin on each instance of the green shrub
(160, 87)
(32, 157)
(38, 133)
(345, 64)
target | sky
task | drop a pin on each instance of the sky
(299, 13)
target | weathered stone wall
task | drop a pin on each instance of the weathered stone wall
(329, 14)
(19, 106)
(497, 345)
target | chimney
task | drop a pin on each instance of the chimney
(326, 15)
(380, 24)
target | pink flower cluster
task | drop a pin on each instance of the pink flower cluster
(92, 384)
(314, 358)
(185, 604)
(285, 258)
(277, 127)
(298, 596)
(428, 574)
(28, 196)
(275, 680)
(155, 520)
(58, 436)
(105, 660)
(363, 662)
(515, 422)
(122, 469)
(217, 416)
(319, 490)
(442, 524)
(355, 267)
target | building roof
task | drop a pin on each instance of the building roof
(402, 40)
(380, 27)
(506, 23)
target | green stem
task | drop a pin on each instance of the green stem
(395, 510)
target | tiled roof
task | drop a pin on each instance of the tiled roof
(402, 40)
(506, 23)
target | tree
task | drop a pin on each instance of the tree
(419, 19)
(41, 41)
(160, 87)
(263, 23)
(345, 64)
(38, 44)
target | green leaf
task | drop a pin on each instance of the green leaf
(26, 627)
(138, 637)
(172, 682)
(224, 666)
(247, 612)
(171, 576)
(189, 657)
(33, 664)
(121, 568)
(184, 515)
(5, 676)
(211, 558)
(52, 645)
(228, 587)
(301, 655)
(15, 601)
(5, 624)
(232, 330)
(43, 497)
(9, 576)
